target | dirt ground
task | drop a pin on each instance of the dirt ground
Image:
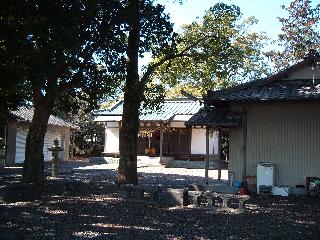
(85, 204)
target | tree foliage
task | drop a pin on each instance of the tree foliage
(79, 48)
(221, 52)
(54, 47)
(60, 47)
(300, 33)
(13, 91)
(89, 135)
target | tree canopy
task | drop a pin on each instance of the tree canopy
(55, 46)
(79, 48)
(300, 33)
(70, 47)
(222, 51)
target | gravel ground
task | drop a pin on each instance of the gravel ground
(90, 207)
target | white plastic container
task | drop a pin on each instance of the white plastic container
(265, 175)
(281, 191)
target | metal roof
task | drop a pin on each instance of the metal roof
(213, 118)
(167, 110)
(24, 114)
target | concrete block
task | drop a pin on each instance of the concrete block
(281, 191)
(174, 196)
(298, 191)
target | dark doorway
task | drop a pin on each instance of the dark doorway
(175, 141)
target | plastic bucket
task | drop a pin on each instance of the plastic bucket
(243, 191)
(237, 183)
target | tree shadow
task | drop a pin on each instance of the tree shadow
(105, 217)
(83, 205)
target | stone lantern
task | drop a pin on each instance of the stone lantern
(55, 149)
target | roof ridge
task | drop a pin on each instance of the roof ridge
(177, 99)
(168, 108)
(115, 105)
(25, 114)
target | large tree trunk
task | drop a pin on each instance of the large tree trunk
(33, 168)
(132, 99)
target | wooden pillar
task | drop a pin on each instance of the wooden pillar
(244, 148)
(11, 144)
(219, 153)
(206, 176)
(161, 142)
(72, 133)
(64, 154)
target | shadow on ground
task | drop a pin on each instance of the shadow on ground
(86, 205)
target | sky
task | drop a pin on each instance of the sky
(266, 11)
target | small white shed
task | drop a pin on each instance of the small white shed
(17, 130)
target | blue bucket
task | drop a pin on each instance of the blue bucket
(237, 183)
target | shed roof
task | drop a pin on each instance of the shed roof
(167, 110)
(213, 118)
(276, 87)
(271, 91)
(24, 114)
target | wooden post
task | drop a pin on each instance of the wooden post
(212, 148)
(72, 144)
(11, 142)
(219, 154)
(2, 152)
(206, 176)
(161, 141)
(244, 148)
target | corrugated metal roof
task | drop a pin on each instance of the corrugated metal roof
(167, 110)
(24, 114)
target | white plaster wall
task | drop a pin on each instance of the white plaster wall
(177, 125)
(112, 124)
(198, 141)
(111, 140)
